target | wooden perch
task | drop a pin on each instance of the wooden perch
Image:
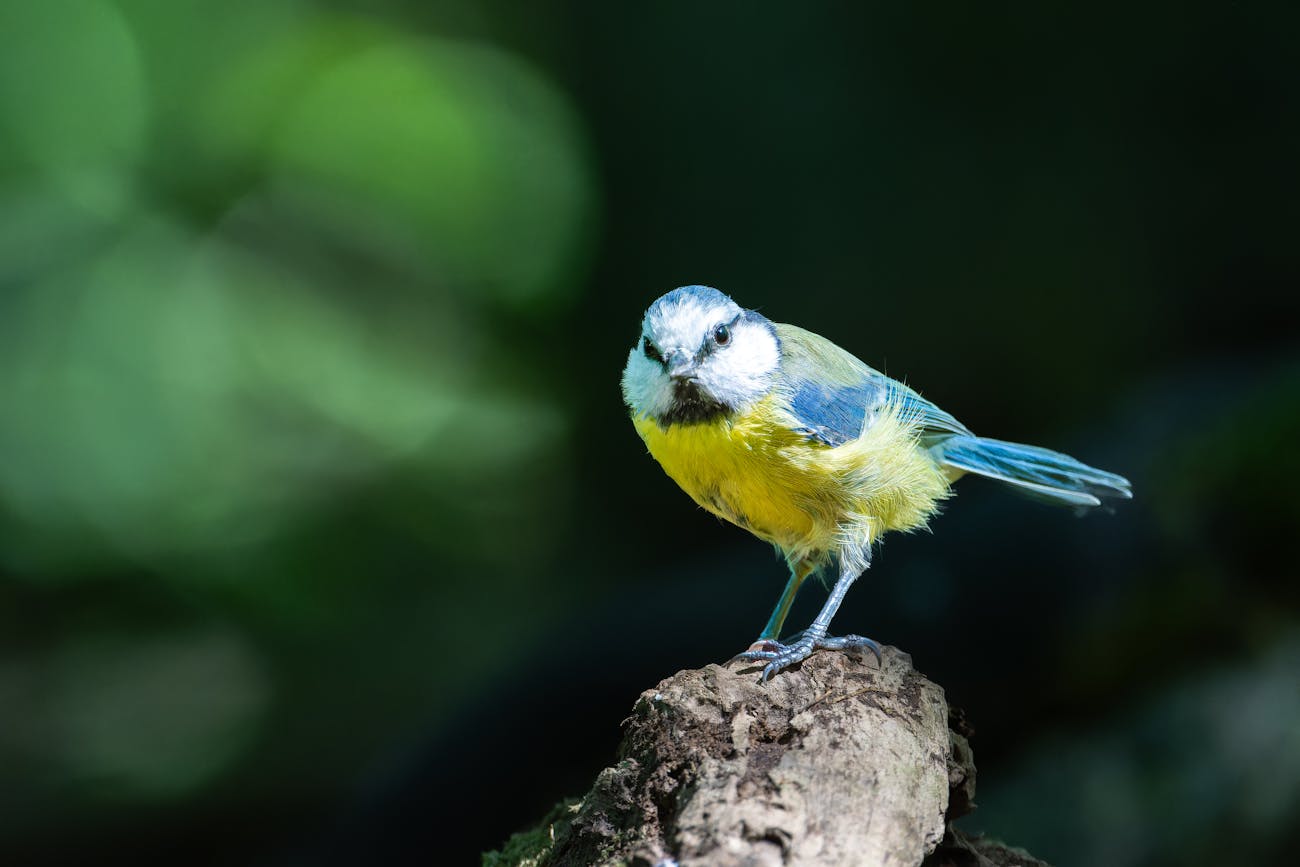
(836, 762)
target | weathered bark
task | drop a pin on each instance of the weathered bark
(836, 762)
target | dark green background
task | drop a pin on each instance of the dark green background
(324, 537)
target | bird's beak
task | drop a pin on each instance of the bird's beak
(680, 363)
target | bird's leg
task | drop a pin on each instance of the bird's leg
(781, 656)
(772, 631)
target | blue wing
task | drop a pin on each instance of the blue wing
(834, 414)
(832, 395)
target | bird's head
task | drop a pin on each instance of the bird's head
(700, 356)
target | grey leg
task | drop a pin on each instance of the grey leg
(780, 656)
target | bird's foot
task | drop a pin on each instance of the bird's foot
(780, 656)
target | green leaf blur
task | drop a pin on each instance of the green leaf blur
(248, 255)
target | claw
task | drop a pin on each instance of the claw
(781, 656)
(762, 649)
(853, 642)
(755, 655)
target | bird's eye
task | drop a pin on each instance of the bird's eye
(722, 335)
(651, 351)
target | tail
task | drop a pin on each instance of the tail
(1044, 475)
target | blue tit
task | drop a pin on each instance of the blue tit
(787, 435)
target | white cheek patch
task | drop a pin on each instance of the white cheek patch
(741, 372)
(646, 387)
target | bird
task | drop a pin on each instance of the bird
(781, 432)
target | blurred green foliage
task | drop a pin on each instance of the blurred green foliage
(248, 254)
(187, 383)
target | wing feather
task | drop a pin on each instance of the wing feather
(833, 395)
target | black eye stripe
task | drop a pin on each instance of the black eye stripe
(651, 351)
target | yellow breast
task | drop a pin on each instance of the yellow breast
(752, 469)
(738, 469)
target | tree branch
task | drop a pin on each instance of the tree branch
(834, 762)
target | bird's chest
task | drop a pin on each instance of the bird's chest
(745, 470)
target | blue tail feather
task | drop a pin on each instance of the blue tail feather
(1033, 471)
